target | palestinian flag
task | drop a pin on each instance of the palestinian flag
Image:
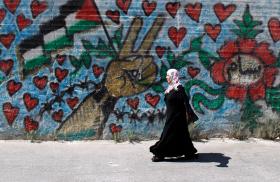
(75, 16)
(86, 18)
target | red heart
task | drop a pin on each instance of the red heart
(60, 59)
(72, 102)
(38, 7)
(2, 14)
(172, 8)
(160, 51)
(30, 124)
(12, 5)
(212, 31)
(6, 66)
(177, 35)
(61, 73)
(54, 86)
(124, 5)
(193, 11)
(7, 39)
(13, 87)
(148, 7)
(133, 103)
(193, 71)
(152, 100)
(274, 29)
(97, 71)
(30, 102)
(223, 12)
(114, 16)
(23, 22)
(10, 112)
(57, 115)
(40, 82)
(115, 128)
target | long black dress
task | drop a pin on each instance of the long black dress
(175, 138)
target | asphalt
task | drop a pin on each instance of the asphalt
(223, 160)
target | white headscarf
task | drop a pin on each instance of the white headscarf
(175, 82)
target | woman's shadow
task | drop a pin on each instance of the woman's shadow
(205, 158)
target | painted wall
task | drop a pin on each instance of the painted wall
(84, 69)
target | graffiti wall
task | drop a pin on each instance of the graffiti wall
(85, 69)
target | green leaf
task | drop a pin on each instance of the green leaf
(163, 71)
(75, 62)
(254, 23)
(86, 59)
(170, 57)
(277, 64)
(102, 50)
(158, 88)
(180, 63)
(87, 45)
(247, 17)
(196, 44)
(204, 58)
(239, 23)
(199, 99)
(273, 98)
(253, 34)
(118, 38)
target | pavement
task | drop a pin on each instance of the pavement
(223, 160)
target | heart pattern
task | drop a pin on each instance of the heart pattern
(30, 102)
(72, 102)
(13, 87)
(124, 5)
(23, 22)
(38, 7)
(40, 82)
(274, 29)
(6, 66)
(172, 8)
(133, 103)
(160, 51)
(12, 5)
(54, 86)
(152, 100)
(148, 7)
(176, 36)
(61, 73)
(10, 112)
(223, 12)
(114, 16)
(115, 128)
(2, 14)
(213, 31)
(7, 39)
(58, 115)
(60, 59)
(97, 71)
(193, 72)
(193, 11)
(30, 124)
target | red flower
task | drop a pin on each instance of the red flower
(246, 68)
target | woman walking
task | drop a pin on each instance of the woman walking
(175, 139)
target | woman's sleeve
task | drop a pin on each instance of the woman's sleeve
(193, 117)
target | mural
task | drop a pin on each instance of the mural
(85, 69)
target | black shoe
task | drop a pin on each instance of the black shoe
(191, 156)
(157, 158)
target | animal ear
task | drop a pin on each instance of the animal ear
(131, 37)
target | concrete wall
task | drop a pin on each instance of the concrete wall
(84, 69)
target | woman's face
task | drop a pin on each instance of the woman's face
(168, 78)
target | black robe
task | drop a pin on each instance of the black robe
(175, 138)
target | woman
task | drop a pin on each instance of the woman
(175, 139)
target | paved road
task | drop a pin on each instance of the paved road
(220, 160)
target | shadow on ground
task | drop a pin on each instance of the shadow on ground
(205, 158)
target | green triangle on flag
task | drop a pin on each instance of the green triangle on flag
(89, 12)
